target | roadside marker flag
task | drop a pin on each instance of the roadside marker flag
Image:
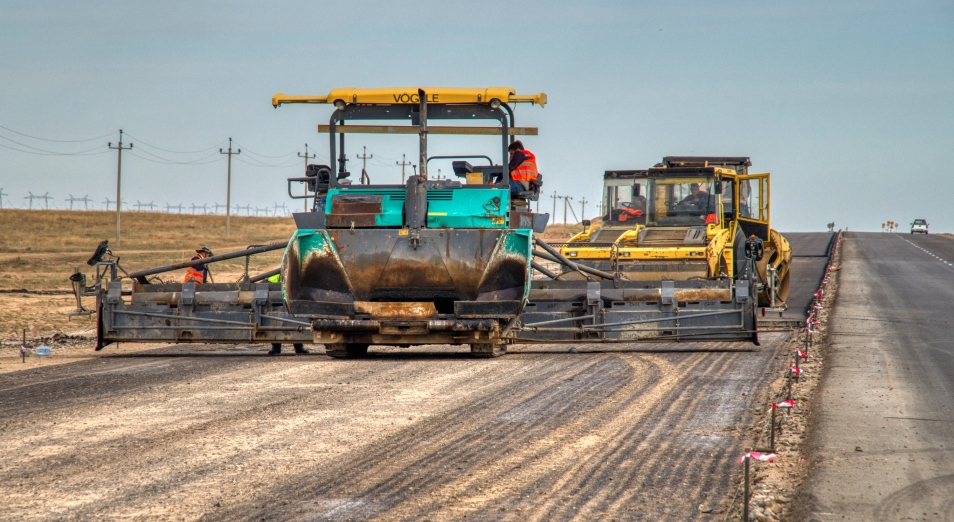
(761, 457)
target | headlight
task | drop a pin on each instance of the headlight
(571, 254)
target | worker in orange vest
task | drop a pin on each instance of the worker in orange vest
(199, 273)
(523, 167)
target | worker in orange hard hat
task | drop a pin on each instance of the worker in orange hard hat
(199, 273)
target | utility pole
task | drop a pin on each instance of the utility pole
(85, 199)
(555, 197)
(31, 197)
(307, 157)
(228, 189)
(364, 164)
(119, 177)
(566, 201)
(403, 163)
(582, 209)
(1, 197)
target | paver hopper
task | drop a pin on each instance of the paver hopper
(430, 261)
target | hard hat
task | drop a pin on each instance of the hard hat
(204, 249)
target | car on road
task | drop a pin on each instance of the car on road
(919, 226)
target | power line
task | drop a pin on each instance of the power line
(261, 164)
(247, 151)
(44, 152)
(213, 147)
(167, 161)
(55, 141)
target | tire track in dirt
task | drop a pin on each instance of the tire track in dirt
(421, 459)
(295, 438)
(99, 460)
(606, 479)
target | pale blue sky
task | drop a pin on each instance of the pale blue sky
(848, 104)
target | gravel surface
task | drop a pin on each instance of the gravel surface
(210, 432)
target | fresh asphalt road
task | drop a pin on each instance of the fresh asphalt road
(809, 258)
(883, 446)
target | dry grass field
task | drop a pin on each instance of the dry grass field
(40, 249)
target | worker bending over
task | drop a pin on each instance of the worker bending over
(199, 273)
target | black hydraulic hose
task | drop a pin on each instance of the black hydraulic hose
(141, 274)
(539, 268)
(559, 258)
(266, 275)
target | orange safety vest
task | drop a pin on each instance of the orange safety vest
(194, 274)
(629, 213)
(526, 171)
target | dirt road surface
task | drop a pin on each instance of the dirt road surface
(213, 433)
(884, 443)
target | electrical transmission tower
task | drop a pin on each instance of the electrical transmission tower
(218, 206)
(45, 197)
(228, 189)
(1, 197)
(283, 208)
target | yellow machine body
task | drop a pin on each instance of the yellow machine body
(655, 227)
